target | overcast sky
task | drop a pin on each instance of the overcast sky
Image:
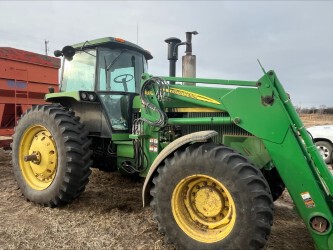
(295, 38)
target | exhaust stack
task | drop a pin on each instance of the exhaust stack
(189, 60)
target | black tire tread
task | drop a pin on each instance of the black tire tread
(77, 153)
(275, 182)
(251, 177)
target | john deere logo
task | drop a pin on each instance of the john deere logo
(192, 95)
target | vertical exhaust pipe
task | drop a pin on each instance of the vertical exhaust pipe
(189, 60)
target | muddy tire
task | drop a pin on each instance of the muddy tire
(51, 155)
(209, 197)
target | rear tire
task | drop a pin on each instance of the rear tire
(210, 197)
(59, 144)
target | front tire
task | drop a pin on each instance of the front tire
(209, 197)
(275, 182)
(50, 155)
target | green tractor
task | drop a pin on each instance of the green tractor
(214, 157)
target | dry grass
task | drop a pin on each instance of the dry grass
(109, 215)
(316, 119)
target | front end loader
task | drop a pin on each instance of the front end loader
(214, 156)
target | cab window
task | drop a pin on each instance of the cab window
(79, 73)
(120, 70)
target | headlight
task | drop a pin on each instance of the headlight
(84, 96)
(91, 97)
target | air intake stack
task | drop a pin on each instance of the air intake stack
(173, 44)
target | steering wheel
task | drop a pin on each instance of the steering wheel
(124, 78)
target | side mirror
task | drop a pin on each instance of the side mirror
(68, 52)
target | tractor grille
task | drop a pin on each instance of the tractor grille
(232, 129)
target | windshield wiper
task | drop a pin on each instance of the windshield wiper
(115, 60)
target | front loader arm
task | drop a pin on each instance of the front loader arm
(264, 109)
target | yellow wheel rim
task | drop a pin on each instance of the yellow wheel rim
(203, 208)
(38, 157)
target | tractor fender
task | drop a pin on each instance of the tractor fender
(201, 136)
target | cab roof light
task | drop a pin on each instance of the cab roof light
(120, 40)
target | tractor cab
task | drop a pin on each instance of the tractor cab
(107, 71)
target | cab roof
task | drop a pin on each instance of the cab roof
(112, 42)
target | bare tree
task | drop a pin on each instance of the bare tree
(321, 109)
